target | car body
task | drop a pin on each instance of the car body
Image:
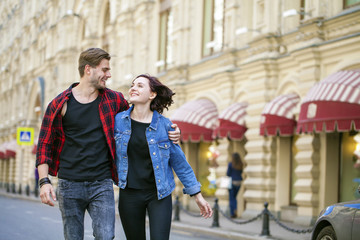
(339, 221)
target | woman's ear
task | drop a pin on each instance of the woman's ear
(153, 95)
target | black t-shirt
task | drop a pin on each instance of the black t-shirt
(141, 172)
(85, 154)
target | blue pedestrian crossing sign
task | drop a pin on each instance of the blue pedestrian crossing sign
(25, 136)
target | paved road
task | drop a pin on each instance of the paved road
(21, 219)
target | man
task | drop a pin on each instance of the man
(76, 142)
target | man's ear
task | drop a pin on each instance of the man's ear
(87, 69)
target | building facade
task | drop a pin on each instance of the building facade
(275, 80)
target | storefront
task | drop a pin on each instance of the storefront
(331, 112)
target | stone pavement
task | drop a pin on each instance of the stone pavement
(227, 229)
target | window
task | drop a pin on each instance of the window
(165, 38)
(302, 9)
(213, 26)
(351, 3)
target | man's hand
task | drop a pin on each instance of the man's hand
(47, 194)
(175, 135)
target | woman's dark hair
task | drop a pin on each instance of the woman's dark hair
(164, 94)
(236, 161)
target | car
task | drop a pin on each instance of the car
(340, 221)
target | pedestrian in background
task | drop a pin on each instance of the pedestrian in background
(76, 142)
(234, 170)
(145, 161)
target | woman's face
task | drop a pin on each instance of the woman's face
(140, 91)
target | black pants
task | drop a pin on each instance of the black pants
(133, 204)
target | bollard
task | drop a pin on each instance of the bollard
(216, 214)
(177, 209)
(20, 189)
(36, 191)
(265, 227)
(27, 190)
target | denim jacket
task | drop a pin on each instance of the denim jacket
(165, 155)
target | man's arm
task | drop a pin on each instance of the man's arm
(175, 135)
(47, 193)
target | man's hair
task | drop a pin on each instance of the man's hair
(91, 57)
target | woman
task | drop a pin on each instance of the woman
(146, 158)
(235, 169)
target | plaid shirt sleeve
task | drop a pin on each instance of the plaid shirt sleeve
(51, 137)
(111, 104)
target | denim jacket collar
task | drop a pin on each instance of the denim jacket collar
(154, 121)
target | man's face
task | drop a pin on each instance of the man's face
(100, 74)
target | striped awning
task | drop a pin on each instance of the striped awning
(277, 117)
(333, 104)
(3, 151)
(11, 149)
(196, 120)
(231, 122)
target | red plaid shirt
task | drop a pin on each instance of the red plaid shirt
(52, 136)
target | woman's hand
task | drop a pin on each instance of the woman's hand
(205, 208)
(175, 135)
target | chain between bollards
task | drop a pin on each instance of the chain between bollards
(265, 226)
(265, 214)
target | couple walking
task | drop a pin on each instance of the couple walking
(90, 139)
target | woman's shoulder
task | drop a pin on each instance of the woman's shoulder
(120, 115)
(164, 120)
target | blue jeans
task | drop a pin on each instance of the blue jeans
(97, 198)
(232, 198)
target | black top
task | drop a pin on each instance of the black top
(141, 172)
(84, 156)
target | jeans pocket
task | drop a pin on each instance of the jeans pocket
(64, 184)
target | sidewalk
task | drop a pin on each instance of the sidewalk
(230, 230)
(226, 229)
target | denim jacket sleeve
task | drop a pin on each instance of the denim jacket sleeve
(183, 169)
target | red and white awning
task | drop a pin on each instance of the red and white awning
(11, 149)
(231, 122)
(196, 120)
(3, 151)
(332, 104)
(8, 149)
(277, 117)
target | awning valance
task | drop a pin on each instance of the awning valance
(231, 122)
(277, 117)
(332, 104)
(11, 149)
(3, 151)
(196, 120)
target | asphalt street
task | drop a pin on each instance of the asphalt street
(22, 219)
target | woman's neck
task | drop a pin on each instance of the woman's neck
(141, 113)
